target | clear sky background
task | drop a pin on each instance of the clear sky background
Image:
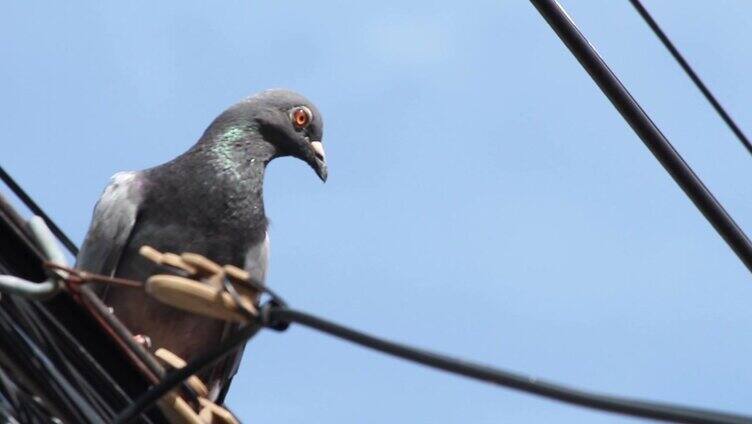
(485, 199)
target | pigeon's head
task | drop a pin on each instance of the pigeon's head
(290, 123)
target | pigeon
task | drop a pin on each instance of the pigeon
(209, 201)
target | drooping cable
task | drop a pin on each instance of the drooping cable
(279, 317)
(636, 408)
(692, 74)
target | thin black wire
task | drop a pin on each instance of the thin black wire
(32, 205)
(645, 128)
(82, 410)
(692, 74)
(173, 378)
(47, 344)
(232, 343)
(280, 317)
(88, 361)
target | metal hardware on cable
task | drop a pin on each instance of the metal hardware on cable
(692, 74)
(60, 274)
(631, 111)
(44, 290)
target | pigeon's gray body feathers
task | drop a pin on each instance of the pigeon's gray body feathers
(209, 201)
(226, 224)
(111, 225)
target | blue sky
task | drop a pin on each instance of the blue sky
(484, 200)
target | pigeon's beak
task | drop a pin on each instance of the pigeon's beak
(319, 160)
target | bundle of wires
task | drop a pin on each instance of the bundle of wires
(56, 363)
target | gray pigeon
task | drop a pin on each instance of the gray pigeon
(209, 201)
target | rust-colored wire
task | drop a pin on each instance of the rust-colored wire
(77, 277)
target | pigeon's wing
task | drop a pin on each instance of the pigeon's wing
(114, 218)
(256, 263)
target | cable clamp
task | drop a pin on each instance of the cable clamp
(265, 316)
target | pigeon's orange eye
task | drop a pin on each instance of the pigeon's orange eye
(301, 117)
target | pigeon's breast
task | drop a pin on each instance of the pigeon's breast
(257, 260)
(221, 232)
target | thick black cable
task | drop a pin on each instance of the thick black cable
(32, 205)
(173, 378)
(640, 122)
(636, 408)
(692, 74)
(279, 317)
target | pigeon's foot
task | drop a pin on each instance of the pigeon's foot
(143, 340)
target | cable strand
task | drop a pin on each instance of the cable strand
(581, 48)
(636, 408)
(274, 316)
(692, 74)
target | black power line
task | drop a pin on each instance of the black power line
(32, 205)
(640, 122)
(173, 378)
(279, 317)
(692, 74)
(636, 408)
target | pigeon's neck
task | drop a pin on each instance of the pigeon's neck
(239, 153)
(235, 159)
